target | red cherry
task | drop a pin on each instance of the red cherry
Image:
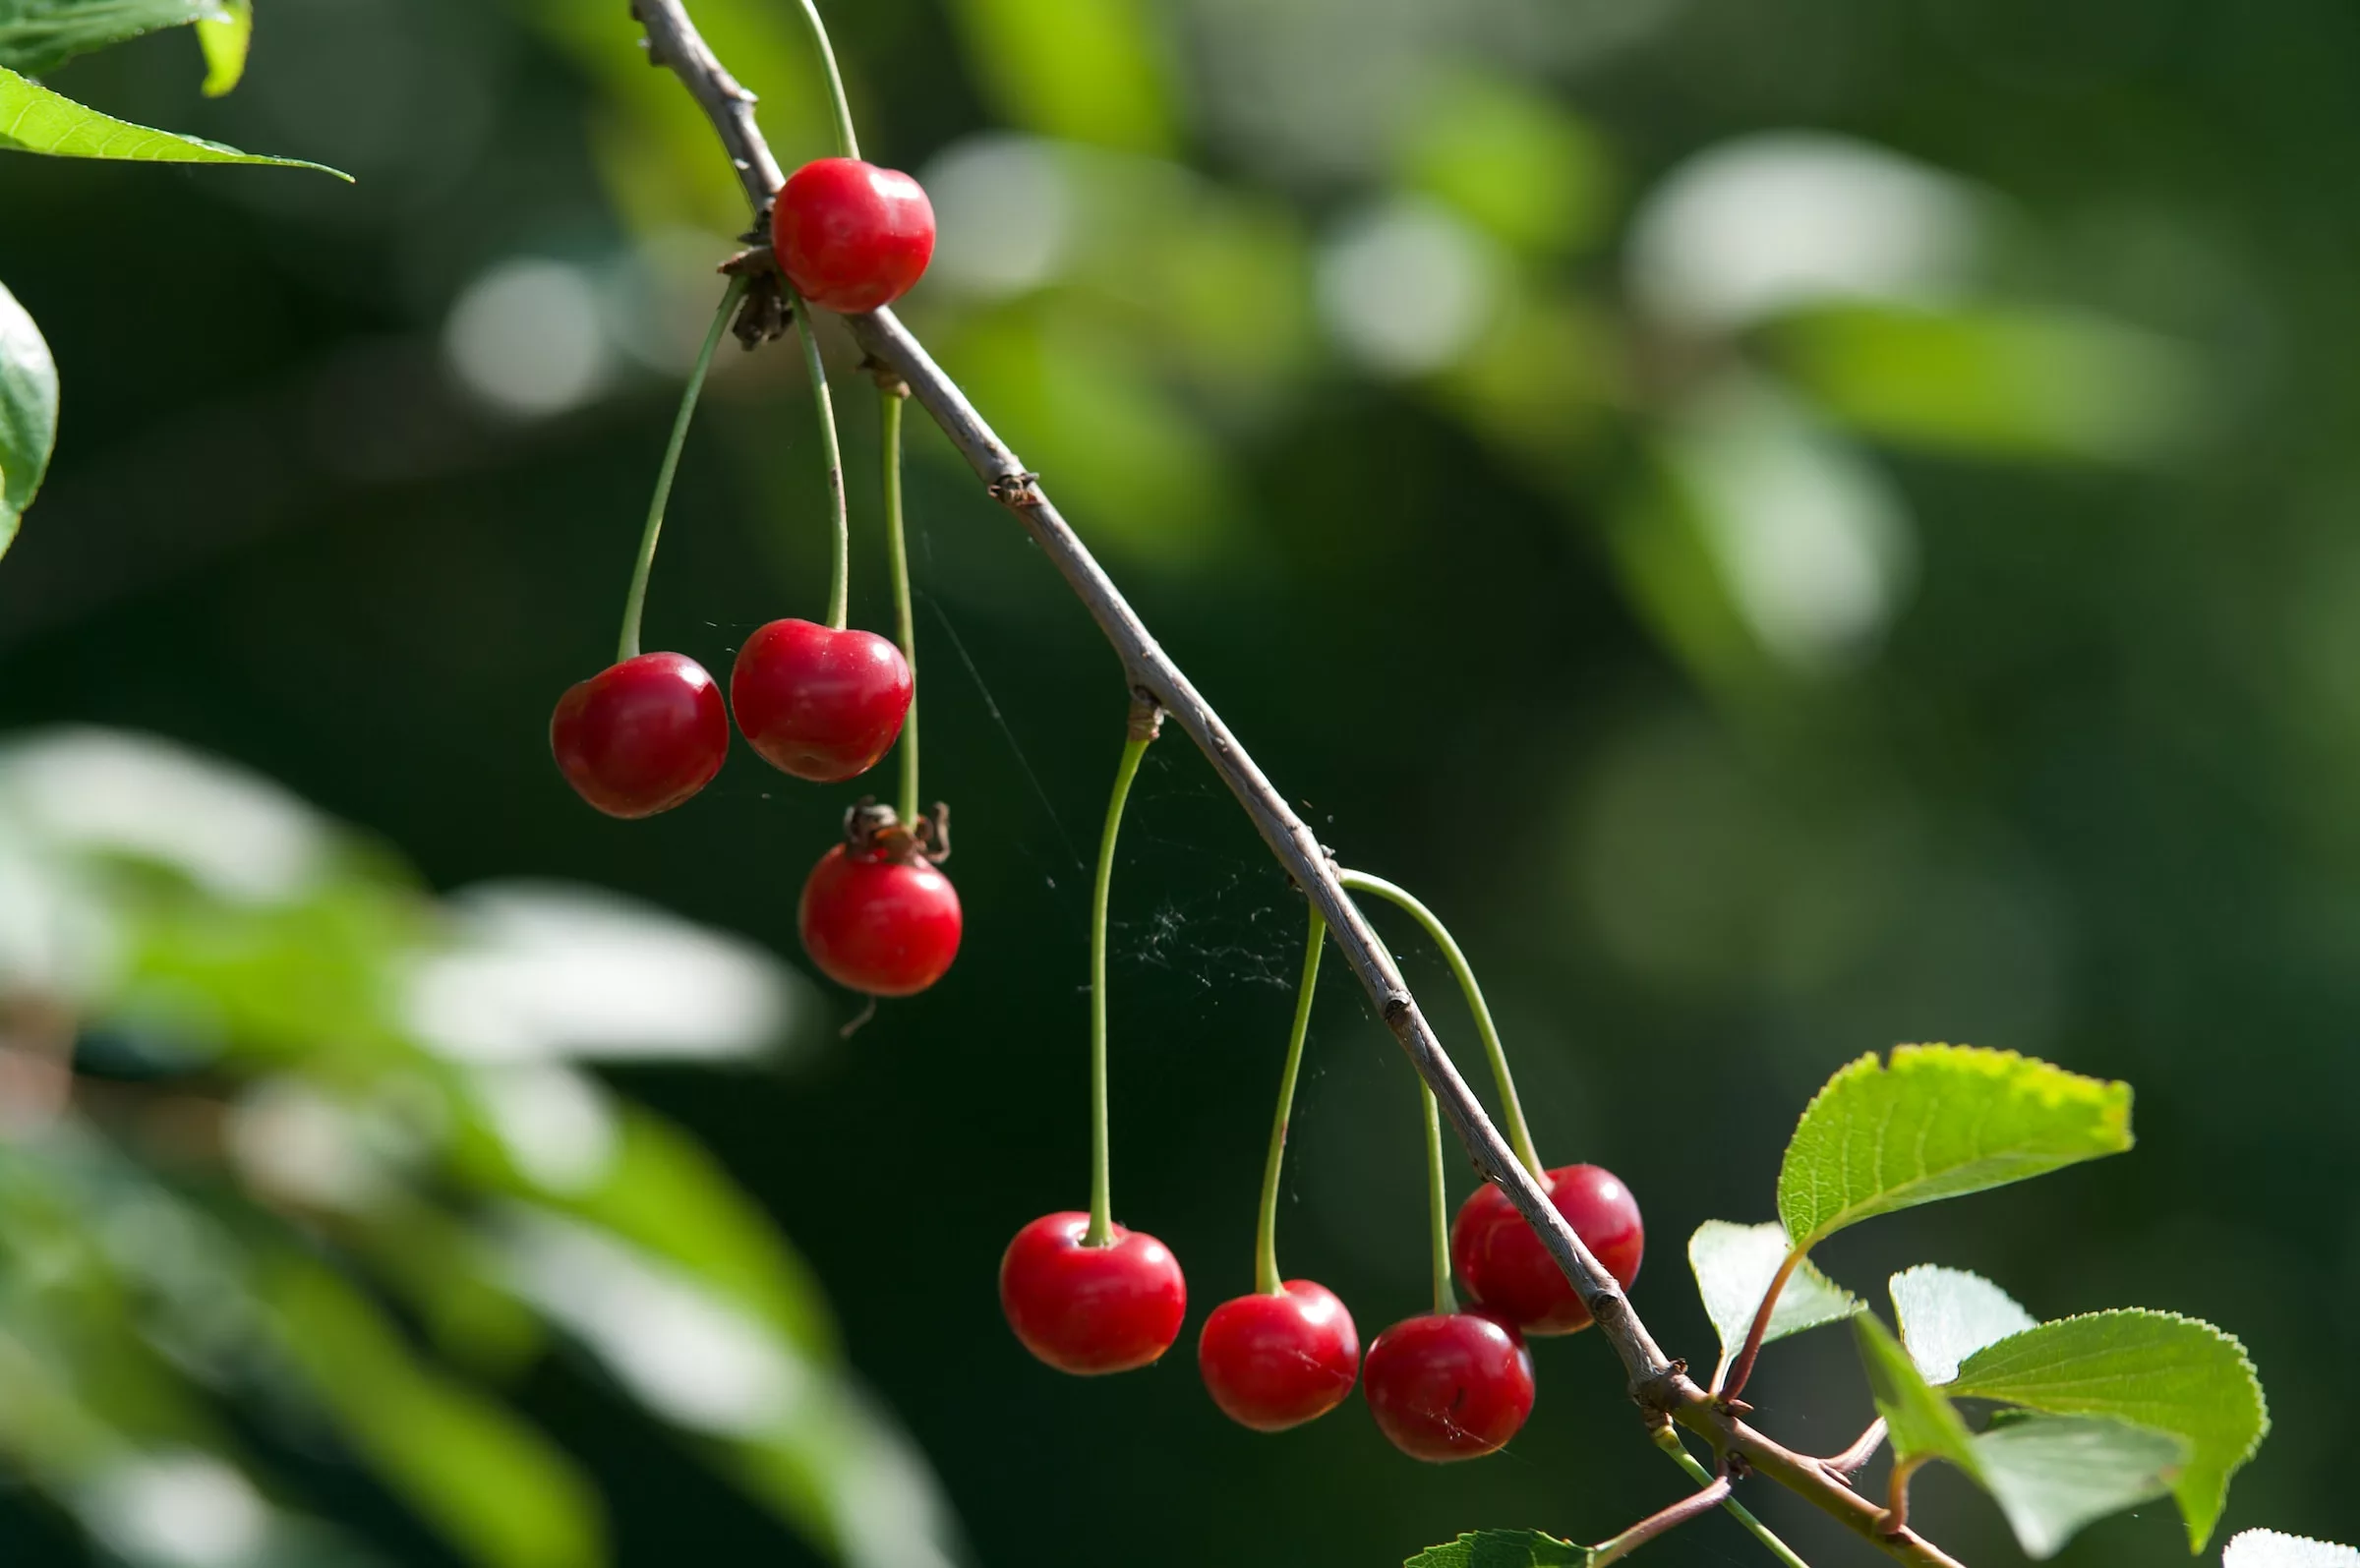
(640, 736)
(1502, 1263)
(1454, 1385)
(1274, 1362)
(852, 236)
(1090, 1309)
(886, 927)
(820, 704)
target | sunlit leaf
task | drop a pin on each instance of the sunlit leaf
(1515, 162)
(2051, 1475)
(2152, 1370)
(1947, 1314)
(1921, 1424)
(27, 412)
(2267, 1548)
(1938, 1121)
(1503, 1548)
(1734, 1265)
(33, 119)
(37, 36)
(225, 39)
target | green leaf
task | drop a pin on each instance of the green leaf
(1734, 1265)
(33, 119)
(225, 38)
(2267, 1548)
(1503, 1548)
(2054, 1474)
(1078, 70)
(1921, 1424)
(1947, 1314)
(37, 36)
(1939, 1122)
(27, 412)
(501, 1492)
(2154, 1369)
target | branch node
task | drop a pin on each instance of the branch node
(1147, 714)
(1019, 489)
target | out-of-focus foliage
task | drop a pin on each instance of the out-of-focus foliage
(284, 1132)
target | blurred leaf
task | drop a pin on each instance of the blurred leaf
(1947, 1314)
(1991, 382)
(37, 36)
(1734, 1265)
(1513, 162)
(1921, 1424)
(42, 121)
(1083, 70)
(27, 412)
(1939, 1122)
(1503, 1548)
(2267, 1548)
(225, 39)
(2051, 1475)
(2152, 1370)
(497, 1489)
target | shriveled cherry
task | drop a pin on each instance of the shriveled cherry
(1500, 1261)
(642, 735)
(1271, 1362)
(1090, 1310)
(818, 702)
(873, 923)
(853, 236)
(1447, 1386)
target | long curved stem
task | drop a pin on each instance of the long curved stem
(1667, 1437)
(832, 454)
(635, 600)
(1519, 1134)
(897, 554)
(1714, 1493)
(1102, 1169)
(1437, 1205)
(1266, 1231)
(1730, 1382)
(847, 142)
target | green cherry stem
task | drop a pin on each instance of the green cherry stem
(1520, 1132)
(832, 453)
(1667, 1437)
(897, 552)
(636, 599)
(1102, 1180)
(1437, 1205)
(846, 141)
(1266, 1231)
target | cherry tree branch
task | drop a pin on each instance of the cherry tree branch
(1656, 1381)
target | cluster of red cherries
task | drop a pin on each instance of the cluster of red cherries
(1442, 1386)
(819, 703)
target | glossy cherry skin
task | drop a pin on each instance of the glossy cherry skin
(1455, 1385)
(820, 704)
(640, 736)
(1501, 1261)
(886, 927)
(1274, 1362)
(852, 236)
(1090, 1309)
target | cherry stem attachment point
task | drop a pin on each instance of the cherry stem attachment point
(635, 600)
(1266, 1279)
(1101, 1182)
(1734, 1373)
(1667, 1437)
(832, 454)
(1711, 1496)
(897, 554)
(1437, 1205)
(847, 142)
(1520, 1132)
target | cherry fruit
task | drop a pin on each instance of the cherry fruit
(1500, 1261)
(640, 736)
(820, 704)
(1271, 1362)
(1448, 1386)
(1090, 1309)
(853, 236)
(874, 923)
